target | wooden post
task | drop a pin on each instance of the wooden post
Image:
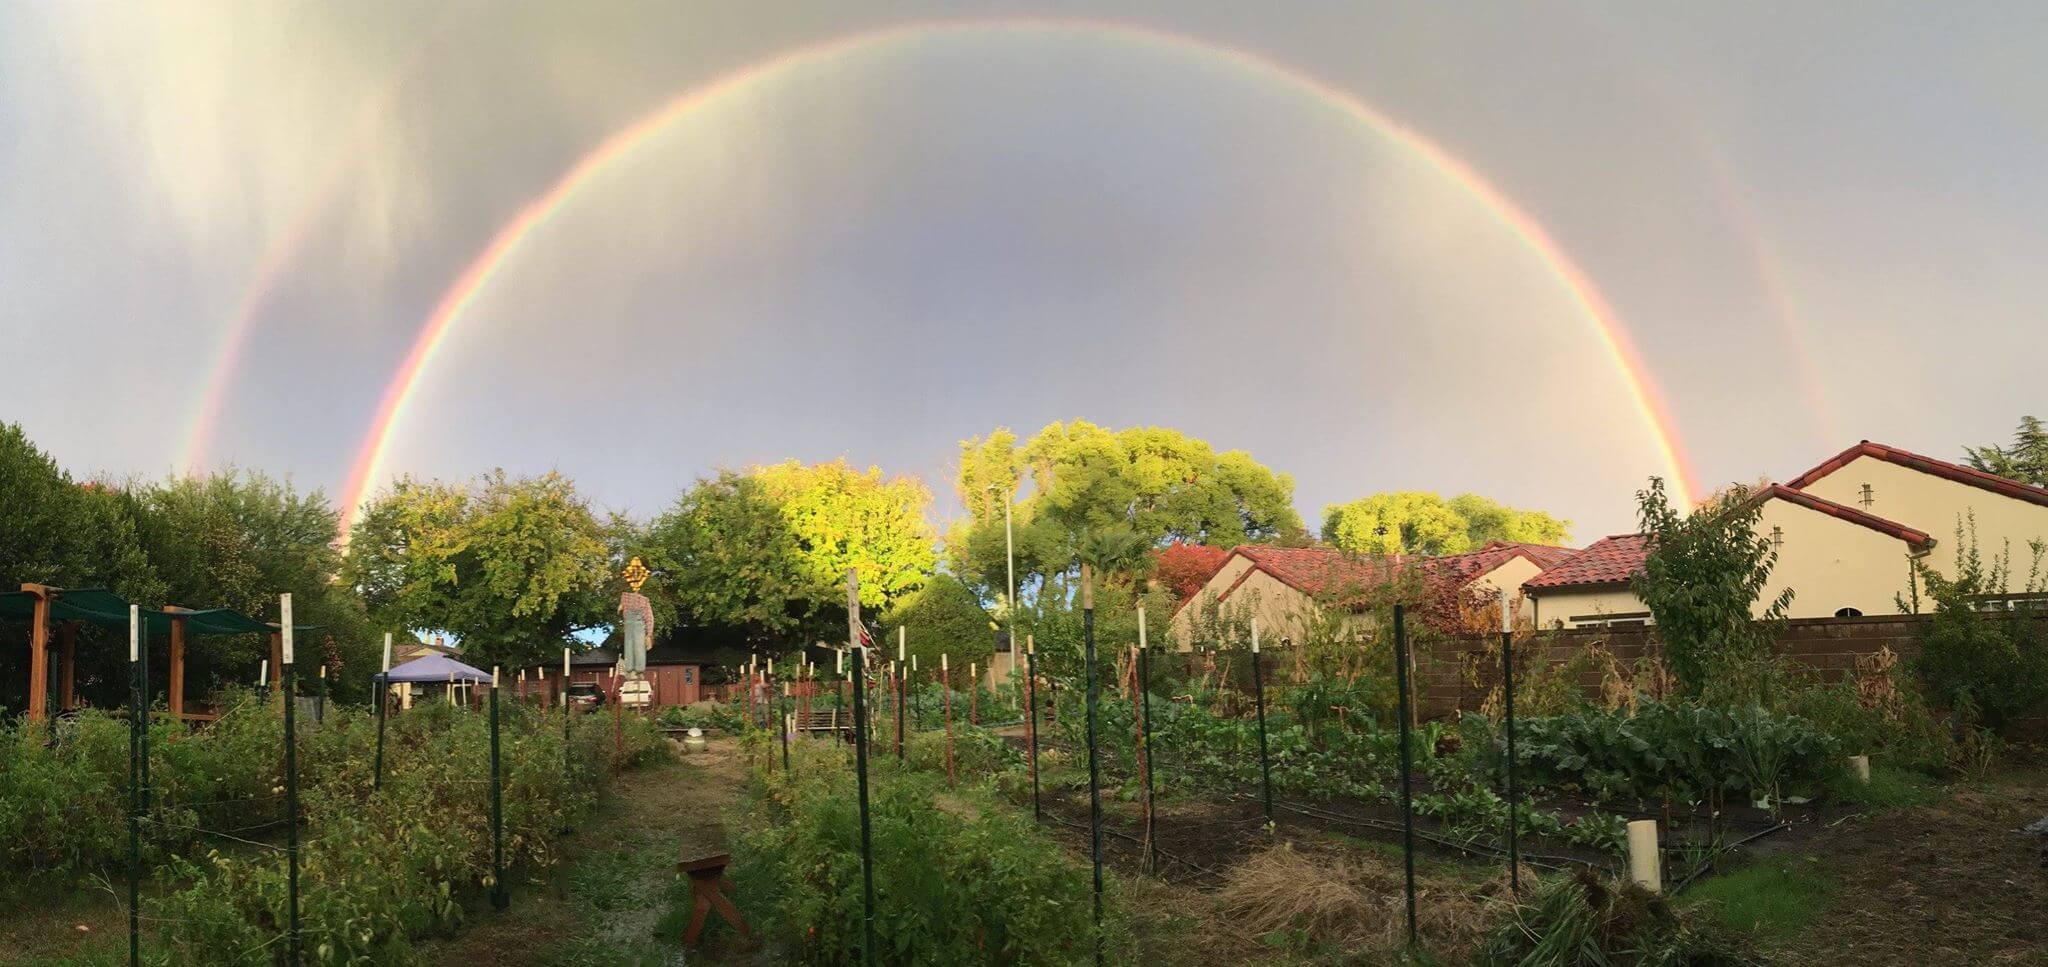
(177, 662)
(39, 654)
(68, 685)
(277, 662)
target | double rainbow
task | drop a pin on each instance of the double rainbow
(449, 311)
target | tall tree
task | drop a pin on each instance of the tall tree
(845, 518)
(723, 556)
(63, 532)
(237, 539)
(765, 553)
(511, 567)
(2026, 460)
(1156, 484)
(1420, 522)
(943, 618)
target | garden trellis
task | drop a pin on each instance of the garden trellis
(49, 608)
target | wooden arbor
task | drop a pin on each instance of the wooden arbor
(65, 609)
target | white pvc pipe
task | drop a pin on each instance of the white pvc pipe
(1643, 868)
(1859, 766)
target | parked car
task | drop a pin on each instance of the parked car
(586, 695)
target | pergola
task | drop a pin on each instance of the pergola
(42, 605)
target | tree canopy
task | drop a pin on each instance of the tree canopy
(765, 552)
(943, 617)
(1151, 484)
(511, 566)
(2026, 460)
(1420, 522)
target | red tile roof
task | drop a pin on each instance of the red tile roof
(1313, 570)
(1327, 570)
(1940, 468)
(1470, 565)
(1614, 560)
(1610, 561)
(1889, 528)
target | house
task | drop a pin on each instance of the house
(1844, 531)
(1590, 588)
(1288, 588)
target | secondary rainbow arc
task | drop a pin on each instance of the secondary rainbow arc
(449, 309)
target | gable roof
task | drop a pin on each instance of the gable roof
(1466, 567)
(1917, 538)
(1311, 570)
(1609, 561)
(1327, 570)
(2005, 486)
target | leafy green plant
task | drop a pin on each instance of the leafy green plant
(968, 882)
(1990, 665)
(1705, 572)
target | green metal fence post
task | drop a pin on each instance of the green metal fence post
(1407, 763)
(498, 897)
(1507, 678)
(291, 771)
(860, 763)
(1094, 762)
(1259, 701)
(134, 786)
(1145, 761)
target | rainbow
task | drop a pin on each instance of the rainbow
(535, 214)
(284, 253)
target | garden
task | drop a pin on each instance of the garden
(384, 859)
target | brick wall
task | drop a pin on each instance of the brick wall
(1830, 646)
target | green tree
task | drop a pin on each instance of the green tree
(1420, 522)
(723, 556)
(511, 567)
(237, 539)
(1701, 581)
(943, 617)
(1157, 484)
(62, 532)
(2026, 460)
(765, 553)
(845, 518)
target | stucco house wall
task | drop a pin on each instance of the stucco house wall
(1831, 564)
(1934, 504)
(1579, 607)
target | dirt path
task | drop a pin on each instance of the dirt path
(1950, 883)
(615, 898)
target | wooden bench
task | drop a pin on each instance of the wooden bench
(826, 720)
(708, 884)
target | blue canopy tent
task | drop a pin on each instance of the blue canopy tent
(435, 669)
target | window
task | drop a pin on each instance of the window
(1848, 613)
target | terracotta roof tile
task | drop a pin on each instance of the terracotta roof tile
(1609, 561)
(1940, 468)
(1327, 570)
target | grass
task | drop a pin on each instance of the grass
(1890, 787)
(1771, 898)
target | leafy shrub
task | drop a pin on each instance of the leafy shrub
(377, 867)
(1990, 665)
(967, 882)
(1680, 750)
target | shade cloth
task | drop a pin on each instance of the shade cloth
(435, 668)
(107, 609)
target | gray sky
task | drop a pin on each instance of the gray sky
(1819, 223)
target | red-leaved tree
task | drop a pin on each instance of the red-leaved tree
(1186, 567)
